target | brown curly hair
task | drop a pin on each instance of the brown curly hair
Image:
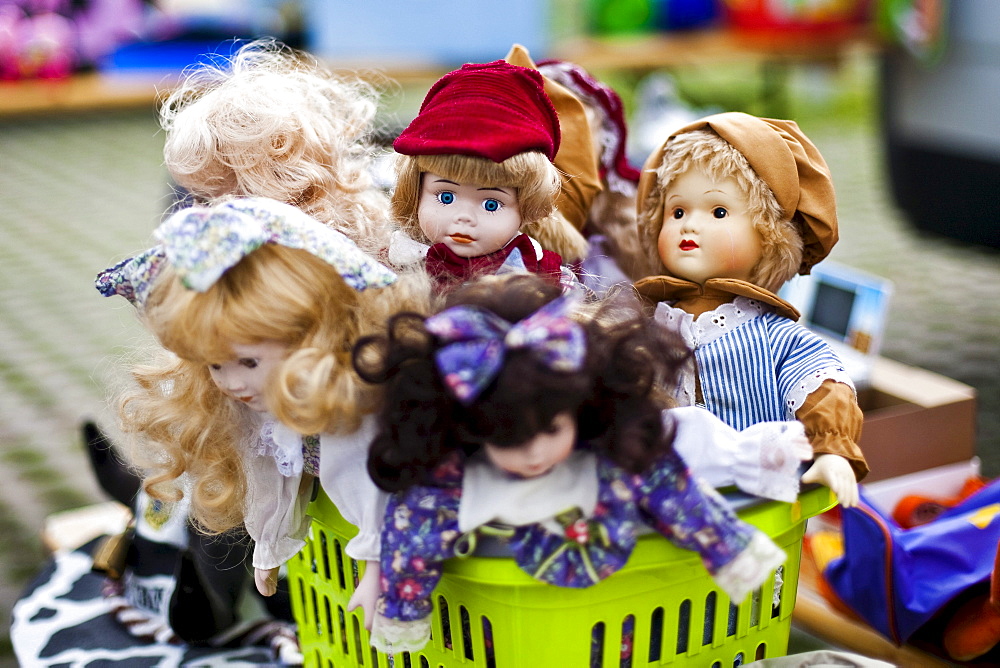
(616, 397)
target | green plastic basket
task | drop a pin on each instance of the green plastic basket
(662, 609)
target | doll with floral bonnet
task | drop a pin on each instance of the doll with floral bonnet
(609, 216)
(274, 122)
(515, 407)
(475, 179)
(730, 208)
(252, 396)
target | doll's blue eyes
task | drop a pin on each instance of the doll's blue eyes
(678, 214)
(448, 197)
(248, 362)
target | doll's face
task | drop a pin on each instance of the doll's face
(707, 232)
(539, 454)
(245, 377)
(470, 219)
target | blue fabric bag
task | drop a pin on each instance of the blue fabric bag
(896, 579)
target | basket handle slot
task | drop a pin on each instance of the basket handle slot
(683, 626)
(656, 635)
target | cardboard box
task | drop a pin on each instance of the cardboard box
(914, 420)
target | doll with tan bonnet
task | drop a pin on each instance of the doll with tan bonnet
(730, 208)
(475, 180)
(273, 122)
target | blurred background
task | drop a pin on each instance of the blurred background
(899, 96)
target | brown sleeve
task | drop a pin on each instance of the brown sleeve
(833, 419)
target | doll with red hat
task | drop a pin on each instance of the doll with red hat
(476, 180)
(730, 208)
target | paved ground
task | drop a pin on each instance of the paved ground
(77, 194)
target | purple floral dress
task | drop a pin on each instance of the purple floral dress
(421, 531)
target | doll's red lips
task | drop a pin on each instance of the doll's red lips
(687, 244)
(461, 238)
(245, 400)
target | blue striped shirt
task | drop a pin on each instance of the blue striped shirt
(763, 369)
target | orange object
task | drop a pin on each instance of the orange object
(975, 628)
(916, 509)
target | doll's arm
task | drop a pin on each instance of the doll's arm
(275, 517)
(833, 419)
(836, 473)
(366, 593)
(420, 531)
(762, 460)
(344, 477)
(833, 422)
(693, 515)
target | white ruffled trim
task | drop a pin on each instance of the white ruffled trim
(393, 636)
(404, 251)
(750, 568)
(283, 445)
(771, 454)
(708, 327)
(797, 396)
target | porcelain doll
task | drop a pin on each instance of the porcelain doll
(730, 208)
(256, 306)
(609, 222)
(273, 122)
(475, 179)
(506, 410)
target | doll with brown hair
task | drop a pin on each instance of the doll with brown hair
(475, 179)
(730, 208)
(273, 122)
(256, 306)
(515, 408)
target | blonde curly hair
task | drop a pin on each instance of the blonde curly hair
(537, 181)
(273, 122)
(187, 436)
(705, 150)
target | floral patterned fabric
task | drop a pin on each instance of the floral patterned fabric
(421, 531)
(202, 243)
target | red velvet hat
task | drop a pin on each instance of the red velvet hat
(494, 110)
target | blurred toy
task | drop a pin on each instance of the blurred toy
(731, 207)
(930, 585)
(256, 305)
(511, 413)
(475, 178)
(46, 41)
(274, 122)
(975, 628)
(158, 594)
(168, 582)
(916, 509)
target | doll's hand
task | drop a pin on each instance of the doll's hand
(367, 593)
(836, 473)
(266, 580)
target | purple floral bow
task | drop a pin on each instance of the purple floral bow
(475, 340)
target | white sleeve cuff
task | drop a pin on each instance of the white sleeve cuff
(750, 567)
